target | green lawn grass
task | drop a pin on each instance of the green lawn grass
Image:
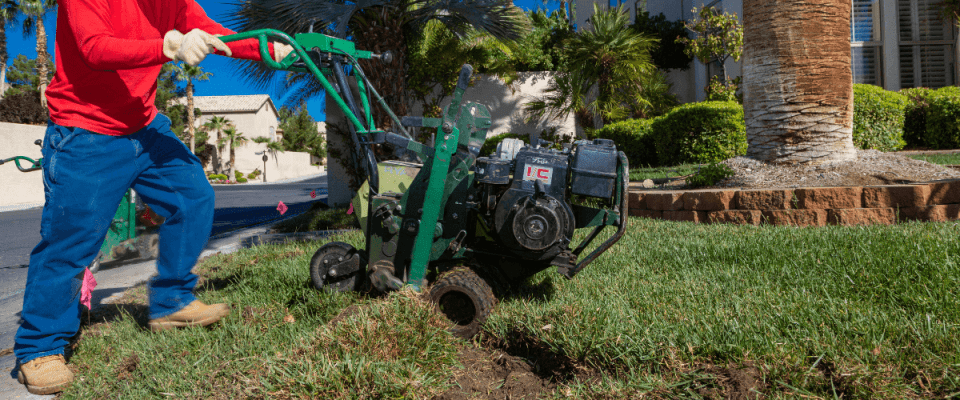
(833, 312)
(318, 218)
(639, 173)
(942, 159)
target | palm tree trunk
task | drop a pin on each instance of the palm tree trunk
(219, 166)
(42, 58)
(233, 161)
(190, 117)
(3, 56)
(382, 33)
(797, 82)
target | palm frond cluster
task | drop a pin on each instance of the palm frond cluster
(608, 69)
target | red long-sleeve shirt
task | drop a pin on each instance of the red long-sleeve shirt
(109, 54)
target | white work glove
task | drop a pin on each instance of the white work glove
(193, 47)
(280, 51)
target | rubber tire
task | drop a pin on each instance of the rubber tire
(318, 271)
(467, 285)
(148, 245)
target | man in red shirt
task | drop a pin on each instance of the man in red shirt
(106, 136)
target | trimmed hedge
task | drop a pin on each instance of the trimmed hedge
(633, 137)
(943, 119)
(915, 115)
(878, 118)
(704, 132)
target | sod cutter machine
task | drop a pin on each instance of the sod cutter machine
(456, 224)
(132, 233)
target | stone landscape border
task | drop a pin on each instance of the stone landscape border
(807, 206)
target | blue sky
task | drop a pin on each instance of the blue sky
(224, 80)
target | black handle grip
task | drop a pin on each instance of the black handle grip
(465, 73)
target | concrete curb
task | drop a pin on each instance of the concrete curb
(18, 207)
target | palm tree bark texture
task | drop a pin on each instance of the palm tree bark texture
(797, 81)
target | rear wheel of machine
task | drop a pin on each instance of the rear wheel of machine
(328, 266)
(148, 246)
(465, 299)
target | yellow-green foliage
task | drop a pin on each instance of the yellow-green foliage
(878, 117)
(634, 138)
(704, 132)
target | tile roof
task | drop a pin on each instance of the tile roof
(239, 103)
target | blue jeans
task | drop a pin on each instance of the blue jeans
(85, 175)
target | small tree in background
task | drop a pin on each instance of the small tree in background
(167, 89)
(233, 139)
(671, 52)
(22, 75)
(8, 15)
(719, 37)
(300, 131)
(189, 73)
(217, 124)
(33, 13)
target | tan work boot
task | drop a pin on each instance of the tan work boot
(45, 375)
(194, 314)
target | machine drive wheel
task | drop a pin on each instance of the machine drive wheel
(465, 299)
(148, 245)
(337, 266)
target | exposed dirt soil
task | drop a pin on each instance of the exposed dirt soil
(126, 369)
(735, 382)
(520, 367)
(870, 168)
(495, 375)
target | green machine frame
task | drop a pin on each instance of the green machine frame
(423, 188)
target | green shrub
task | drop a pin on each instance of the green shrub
(633, 137)
(709, 175)
(943, 119)
(237, 175)
(700, 133)
(915, 115)
(241, 180)
(931, 118)
(718, 90)
(217, 177)
(254, 175)
(878, 117)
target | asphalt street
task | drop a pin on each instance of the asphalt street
(237, 206)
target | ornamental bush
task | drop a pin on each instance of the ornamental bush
(943, 119)
(878, 117)
(915, 115)
(701, 133)
(709, 175)
(634, 138)
(23, 108)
